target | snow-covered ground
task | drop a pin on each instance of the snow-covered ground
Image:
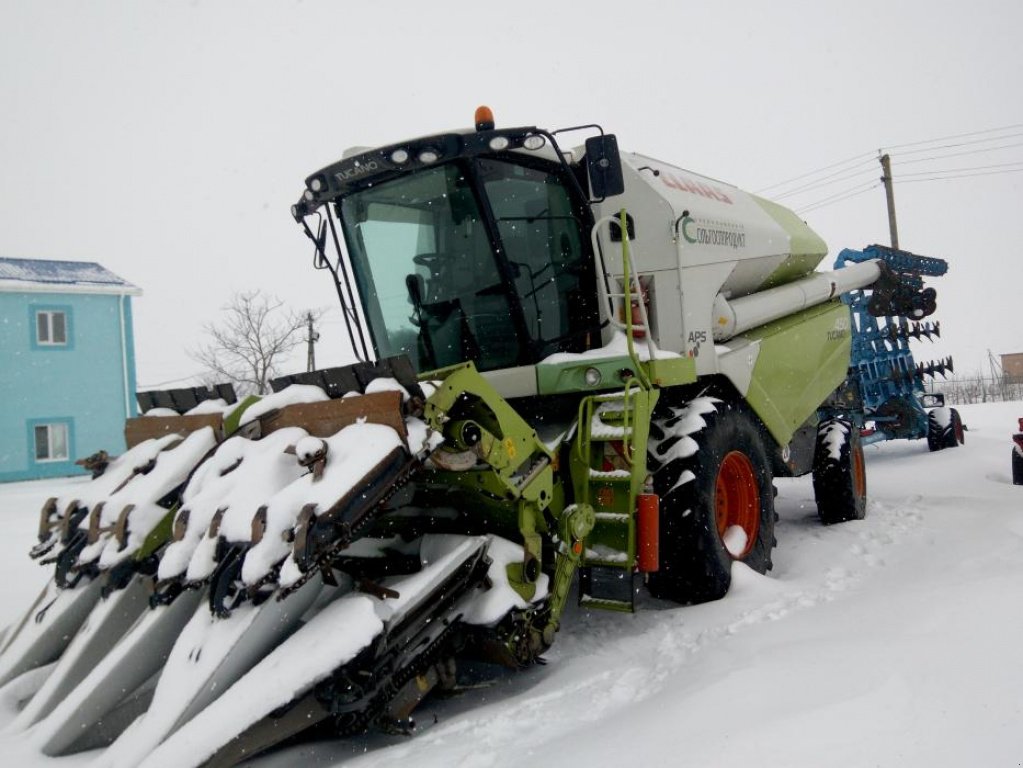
(895, 641)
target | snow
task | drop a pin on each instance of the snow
(210, 655)
(331, 638)
(351, 454)
(501, 597)
(686, 421)
(259, 470)
(618, 346)
(291, 395)
(214, 405)
(53, 274)
(172, 469)
(89, 492)
(834, 437)
(735, 540)
(387, 384)
(891, 641)
(942, 416)
(161, 412)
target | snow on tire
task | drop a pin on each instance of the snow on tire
(954, 434)
(839, 474)
(944, 429)
(711, 472)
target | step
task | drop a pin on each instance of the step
(607, 587)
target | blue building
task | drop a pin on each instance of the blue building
(67, 365)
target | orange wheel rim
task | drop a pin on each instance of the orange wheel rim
(859, 474)
(737, 499)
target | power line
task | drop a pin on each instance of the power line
(959, 154)
(960, 144)
(957, 170)
(822, 183)
(963, 176)
(192, 377)
(819, 170)
(856, 161)
(839, 197)
(957, 136)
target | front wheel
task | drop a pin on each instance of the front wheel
(1017, 467)
(839, 472)
(711, 472)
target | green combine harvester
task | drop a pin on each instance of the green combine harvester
(579, 365)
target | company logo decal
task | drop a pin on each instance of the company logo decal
(706, 232)
(685, 184)
(357, 169)
(840, 329)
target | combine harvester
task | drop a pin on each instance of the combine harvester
(584, 362)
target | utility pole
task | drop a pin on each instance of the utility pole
(886, 168)
(312, 337)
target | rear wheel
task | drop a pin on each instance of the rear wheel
(944, 429)
(955, 434)
(711, 472)
(839, 472)
(1017, 467)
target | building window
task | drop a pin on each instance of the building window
(51, 442)
(51, 328)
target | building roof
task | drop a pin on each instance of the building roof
(39, 275)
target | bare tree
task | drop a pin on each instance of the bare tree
(248, 344)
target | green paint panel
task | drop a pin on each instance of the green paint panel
(233, 418)
(671, 371)
(803, 358)
(560, 378)
(806, 248)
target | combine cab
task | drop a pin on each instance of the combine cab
(581, 367)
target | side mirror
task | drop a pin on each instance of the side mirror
(604, 166)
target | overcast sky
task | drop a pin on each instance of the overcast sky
(167, 140)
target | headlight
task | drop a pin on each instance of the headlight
(498, 143)
(428, 156)
(399, 157)
(534, 141)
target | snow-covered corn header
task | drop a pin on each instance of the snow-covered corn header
(578, 363)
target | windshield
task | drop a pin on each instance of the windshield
(541, 241)
(444, 280)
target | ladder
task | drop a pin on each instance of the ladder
(609, 471)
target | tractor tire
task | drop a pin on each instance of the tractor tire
(954, 434)
(839, 472)
(944, 429)
(711, 471)
(1017, 467)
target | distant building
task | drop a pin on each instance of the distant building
(1012, 366)
(67, 365)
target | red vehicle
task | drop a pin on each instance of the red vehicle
(1017, 456)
